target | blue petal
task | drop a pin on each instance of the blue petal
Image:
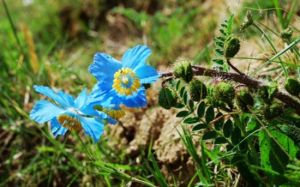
(98, 96)
(56, 128)
(44, 111)
(65, 100)
(147, 74)
(104, 68)
(92, 127)
(135, 57)
(82, 99)
(137, 100)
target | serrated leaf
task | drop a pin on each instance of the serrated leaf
(183, 113)
(191, 120)
(201, 109)
(209, 135)
(278, 157)
(209, 114)
(199, 126)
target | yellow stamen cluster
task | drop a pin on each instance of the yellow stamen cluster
(122, 83)
(69, 122)
(117, 114)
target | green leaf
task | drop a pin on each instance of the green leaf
(182, 91)
(179, 105)
(229, 25)
(219, 52)
(185, 98)
(209, 135)
(183, 113)
(228, 128)
(278, 157)
(167, 98)
(236, 136)
(220, 122)
(275, 152)
(201, 109)
(191, 105)
(199, 126)
(178, 84)
(220, 140)
(191, 120)
(210, 114)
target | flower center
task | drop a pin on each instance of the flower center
(69, 122)
(117, 114)
(126, 82)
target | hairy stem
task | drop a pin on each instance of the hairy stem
(244, 79)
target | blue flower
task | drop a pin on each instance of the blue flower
(66, 113)
(122, 82)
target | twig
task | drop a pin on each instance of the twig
(244, 79)
(234, 68)
(166, 80)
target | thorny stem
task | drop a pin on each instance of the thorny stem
(244, 79)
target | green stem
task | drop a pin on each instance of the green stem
(12, 26)
(131, 178)
(272, 46)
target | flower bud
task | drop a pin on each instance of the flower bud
(197, 90)
(184, 70)
(224, 92)
(292, 86)
(267, 93)
(167, 98)
(244, 100)
(232, 47)
(248, 22)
